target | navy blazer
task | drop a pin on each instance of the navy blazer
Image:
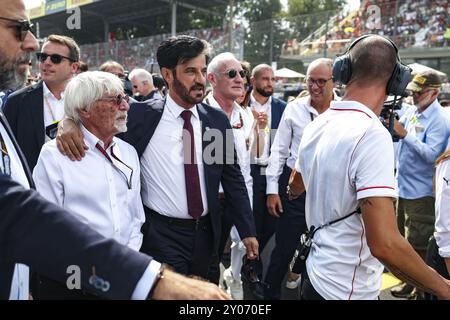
(47, 238)
(277, 109)
(24, 110)
(144, 117)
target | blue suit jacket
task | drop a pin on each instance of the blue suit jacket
(277, 109)
(47, 238)
(144, 117)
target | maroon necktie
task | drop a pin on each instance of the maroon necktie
(193, 191)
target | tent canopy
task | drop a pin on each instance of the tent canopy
(288, 73)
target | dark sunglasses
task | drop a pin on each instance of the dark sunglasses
(233, 73)
(54, 58)
(319, 82)
(21, 26)
(118, 100)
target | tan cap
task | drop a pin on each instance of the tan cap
(424, 80)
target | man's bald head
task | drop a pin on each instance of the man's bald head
(372, 61)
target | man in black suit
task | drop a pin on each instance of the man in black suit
(38, 233)
(33, 112)
(183, 221)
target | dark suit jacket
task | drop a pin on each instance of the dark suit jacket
(24, 110)
(47, 238)
(143, 118)
(277, 109)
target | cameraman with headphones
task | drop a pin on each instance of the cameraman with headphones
(346, 160)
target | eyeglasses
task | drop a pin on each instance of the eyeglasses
(21, 26)
(232, 73)
(117, 100)
(54, 58)
(319, 82)
(420, 93)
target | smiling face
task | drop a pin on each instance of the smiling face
(319, 83)
(15, 55)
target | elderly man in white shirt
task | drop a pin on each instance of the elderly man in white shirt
(102, 190)
(226, 77)
(283, 154)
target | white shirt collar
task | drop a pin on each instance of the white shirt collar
(91, 140)
(353, 106)
(48, 93)
(253, 100)
(210, 100)
(176, 110)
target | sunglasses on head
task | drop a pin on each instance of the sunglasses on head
(232, 73)
(118, 99)
(54, 58)
(21, 27)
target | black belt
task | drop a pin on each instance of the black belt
(187, 223)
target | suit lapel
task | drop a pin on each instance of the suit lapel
(35, 101)
(5, 124)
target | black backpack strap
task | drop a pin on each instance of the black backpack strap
(313, 230)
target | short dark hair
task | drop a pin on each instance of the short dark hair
(74, 49)
(372, 60)
(177, 50)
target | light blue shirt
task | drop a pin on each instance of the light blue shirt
(426, 140)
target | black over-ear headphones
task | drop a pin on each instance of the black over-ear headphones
(400, 77)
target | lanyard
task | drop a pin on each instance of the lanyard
(103, 151)
(6, 160)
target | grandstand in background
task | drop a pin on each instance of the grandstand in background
(130, 31)
(420, 28)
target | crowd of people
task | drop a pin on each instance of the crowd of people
(145, 190)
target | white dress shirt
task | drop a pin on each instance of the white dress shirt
(53, 108)
(20, 282)
(94, 189)
(242, 139)
(266, 108)
(345, 155)
(442, 208)
(297, 115)
(162, 164)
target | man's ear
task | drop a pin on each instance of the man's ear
(211, 78)
(252, 81)
(84, 114)
(74, 67)
(167, 75)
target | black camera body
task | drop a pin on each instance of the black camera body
(298, 263)
(389, 108)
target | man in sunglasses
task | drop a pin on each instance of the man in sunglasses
(34, 111)
(110, 169)
(143, 88)
(226, 76)
(423, 132)
(48, 238)
(283, 154)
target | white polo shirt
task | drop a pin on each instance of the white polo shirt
(345, 155)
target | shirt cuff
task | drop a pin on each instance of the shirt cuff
(272, 187)
(146, 282)
(443, 243)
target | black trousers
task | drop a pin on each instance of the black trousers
(185, 244)
(264, 222)
(290, 226)
(307, 291)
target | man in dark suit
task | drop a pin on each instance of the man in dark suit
(33, 112)
(183, 221)
(262, 102)
(38, 233)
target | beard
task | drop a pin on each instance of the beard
(184, 93)
(12, 77)
(121, 124)
(263, 92)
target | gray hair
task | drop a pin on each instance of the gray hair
(218, 61)
(259, 68)
(141, 75)
(87, 88)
